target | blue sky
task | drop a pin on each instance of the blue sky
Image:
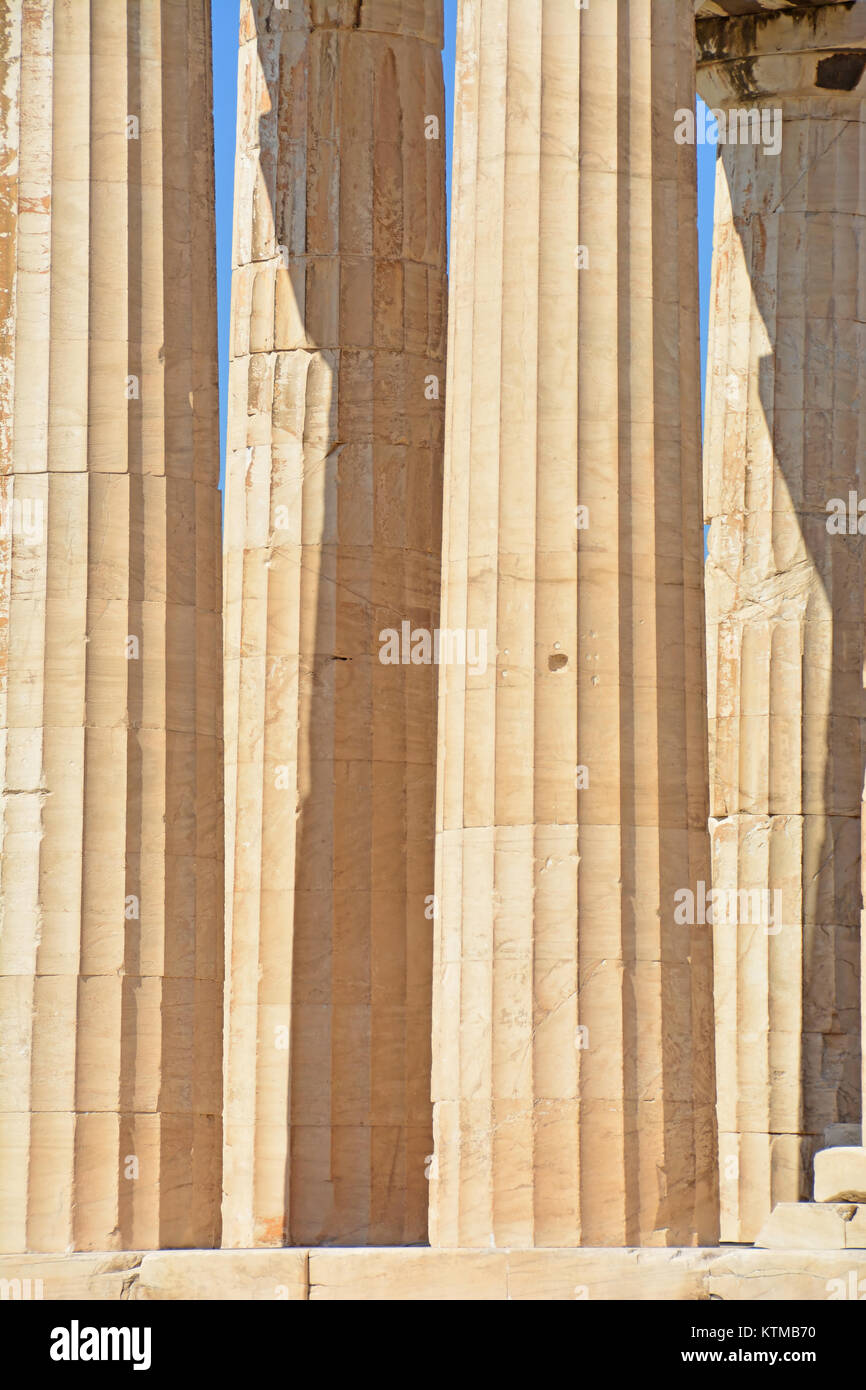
(225, 47)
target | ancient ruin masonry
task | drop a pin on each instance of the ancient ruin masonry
(491, 753)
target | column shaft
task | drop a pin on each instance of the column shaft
(573, 1077)
(111, 819)
(332, 538)
(786, 394)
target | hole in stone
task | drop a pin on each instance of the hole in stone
(841, 71)
(557, 661)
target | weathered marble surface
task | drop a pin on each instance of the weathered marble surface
(333, 507)
(727, 8)
(111, 825)
(785, 598)
(684, 1275)
(572, 1019)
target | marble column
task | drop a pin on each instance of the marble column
(110, 739)
(786, 394)
(332, 545)
(572, 1021)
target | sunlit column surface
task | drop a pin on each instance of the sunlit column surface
(572, 1016)
(110, 743)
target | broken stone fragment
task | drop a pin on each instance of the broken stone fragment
(814, 1226)
(840, 1175)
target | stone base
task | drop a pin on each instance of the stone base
(736, 1274)
(815, 1226)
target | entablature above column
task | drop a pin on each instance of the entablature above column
(421, 19)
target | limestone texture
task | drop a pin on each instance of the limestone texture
(785, 598)
(572, 1011)
(111, 825)
(814, 1226)
(412, 1275)
(840, 1175)
(534, 872)
(332, 539)
(707, 9)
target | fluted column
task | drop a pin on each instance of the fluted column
(786, 394)
(110, 815)
(332, 539)
(572, 1071)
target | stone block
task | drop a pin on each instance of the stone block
(840, 1175)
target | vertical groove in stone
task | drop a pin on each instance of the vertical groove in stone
(785, 610)
(572, 1070)
(111, 926)
(332, 535)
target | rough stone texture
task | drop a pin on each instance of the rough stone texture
(840, 1175)
(110, 741)
(431, 1275)
(262, 1275)
(572, 1075)
(756, 1276)
(332, 536)
(726, 8)
(95, 1277)
(620, 1275)
(685, 1275)
(785, 601)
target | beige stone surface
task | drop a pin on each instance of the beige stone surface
(756, 1276)
(572, 1021)
(815, 1226)
(567, 999)
(110, 727)
(429, 1275)
(416, 1275)
(224, 1276)
(332, 536)
(840, 1175)
(94, 1277)
(785, 602)
(621, 1275)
